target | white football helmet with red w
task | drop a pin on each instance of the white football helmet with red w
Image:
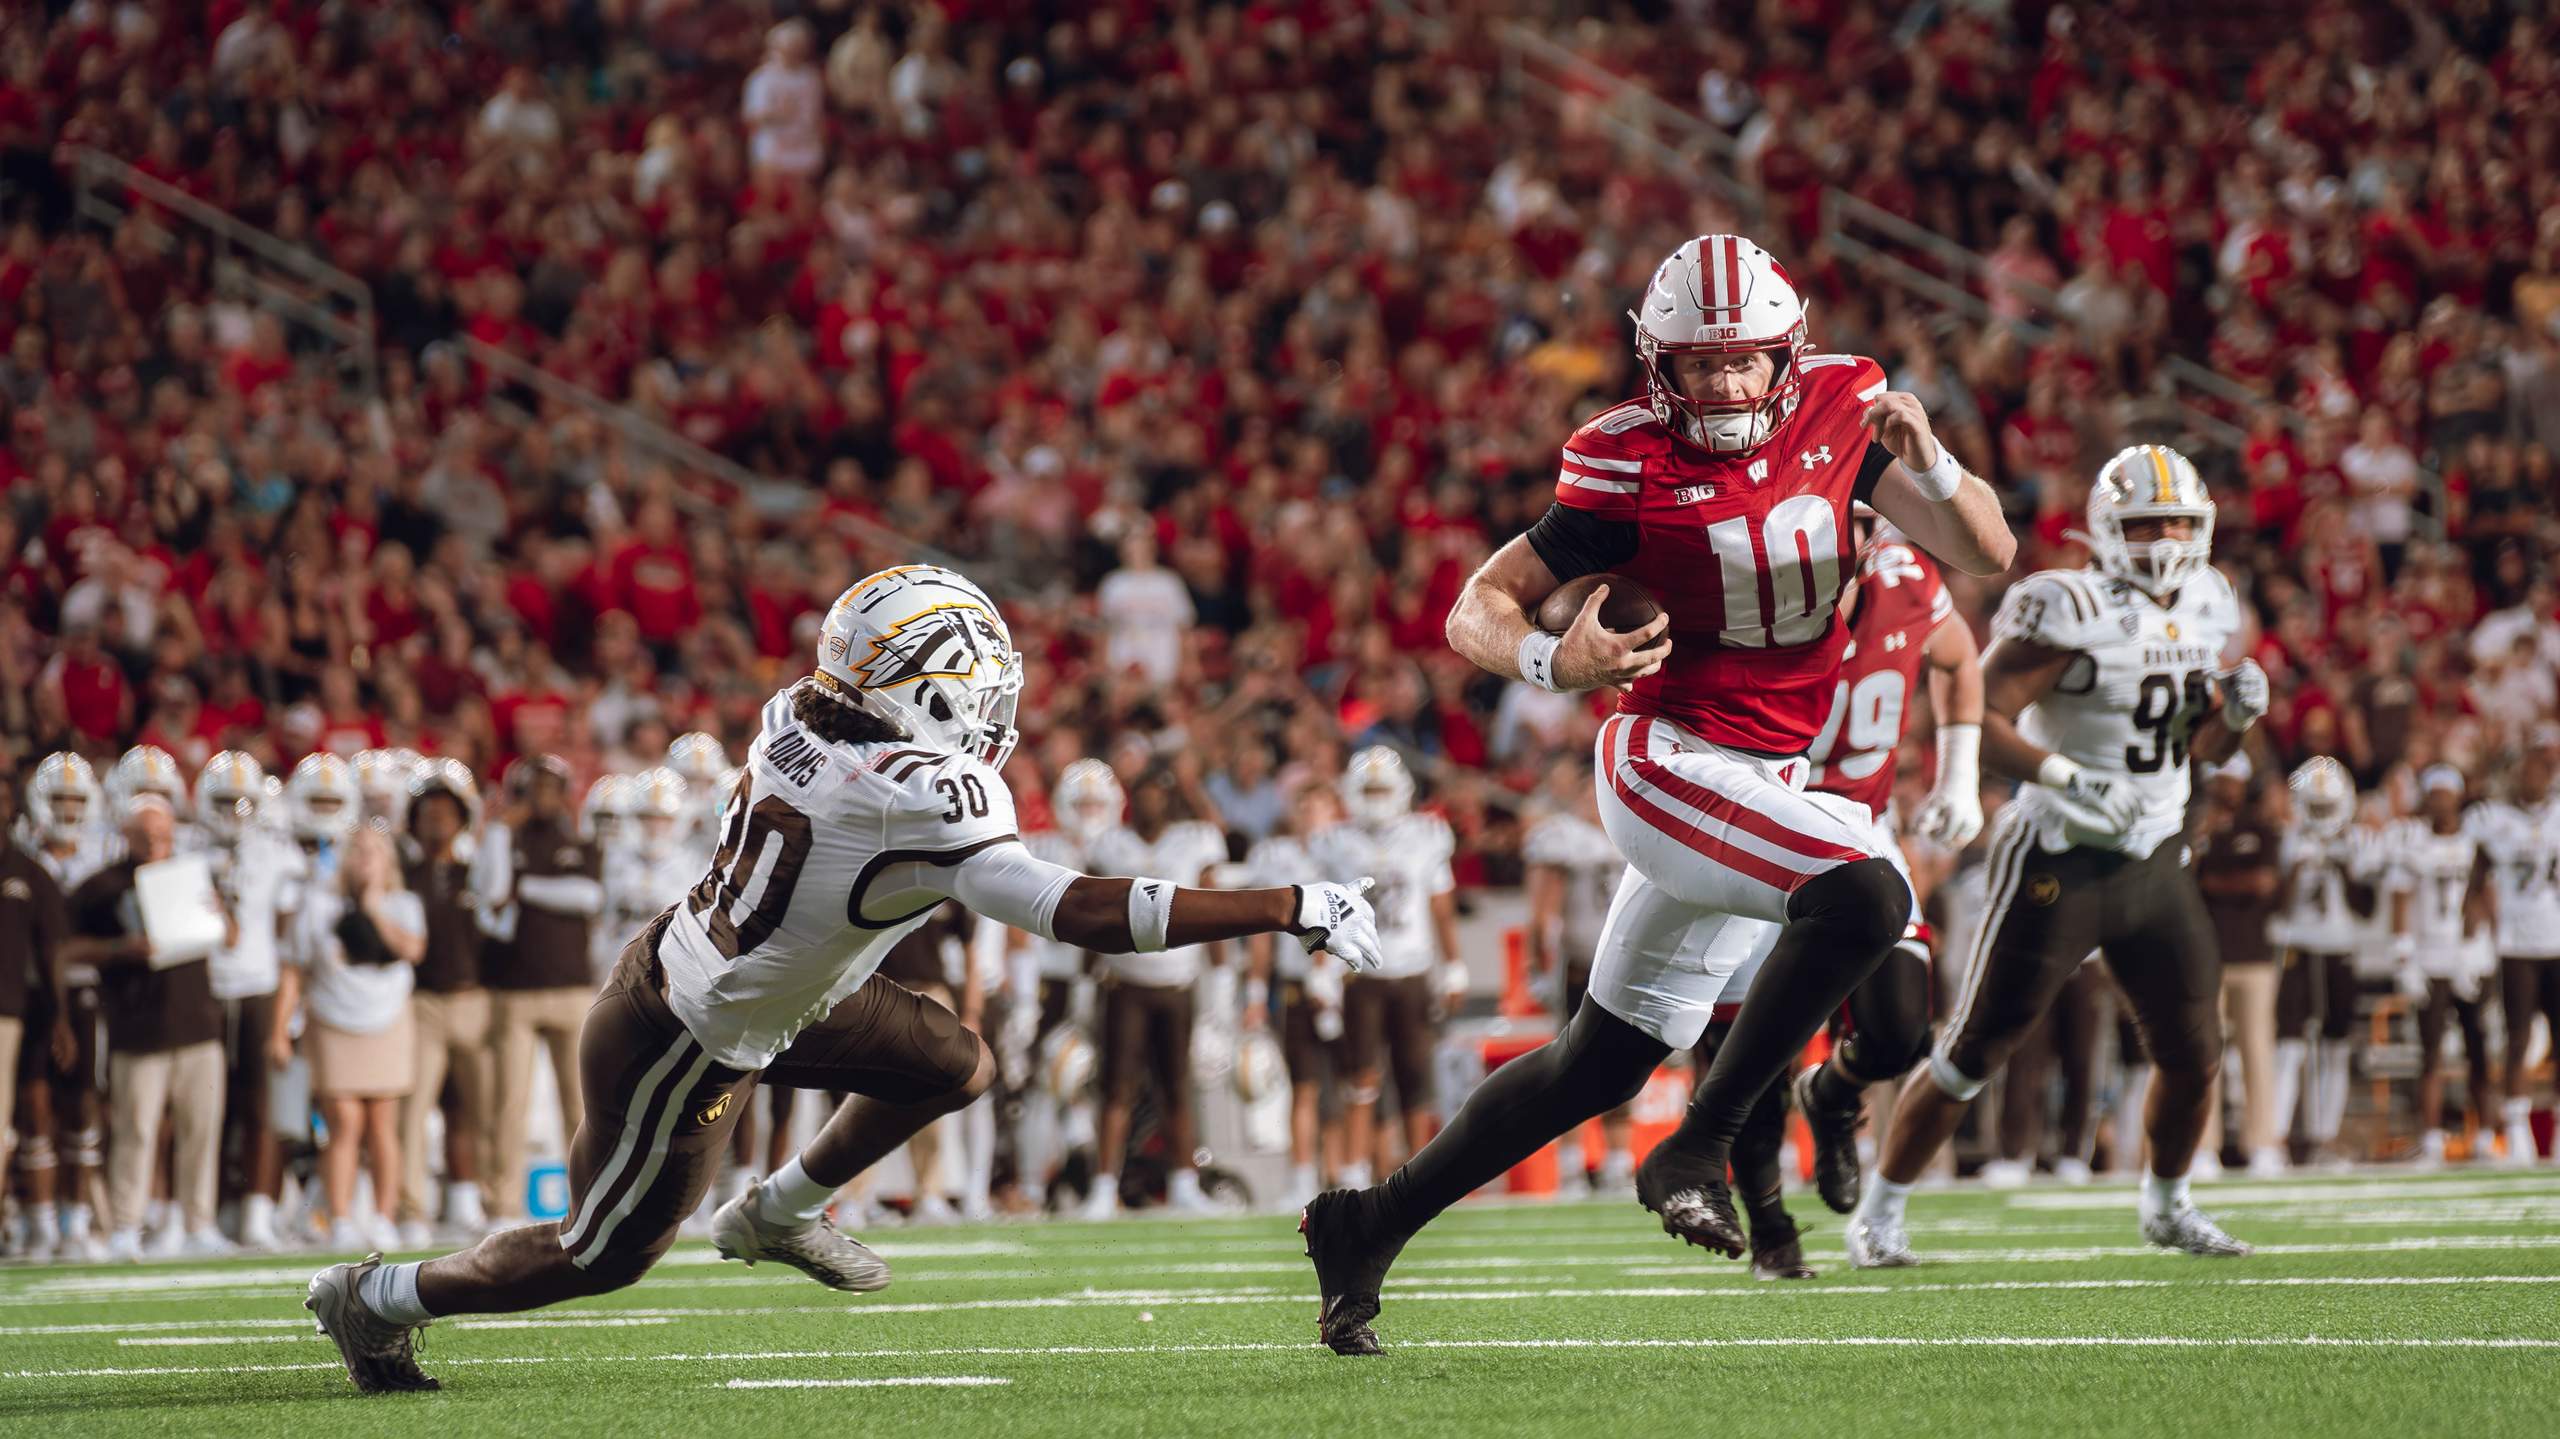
(1721, 295)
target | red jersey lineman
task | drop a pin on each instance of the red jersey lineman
(1726, 491)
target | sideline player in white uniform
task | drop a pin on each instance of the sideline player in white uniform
(1389, 1017)
(1306, 990)
(1052, 1004)
(650, 869)
(1572, 874)
(2522, 836)
(1149, 1000)
(2099, 686)
(2443, 917)
(149, 769)
(872, 796)
(2320, 930)
(257, 871)
(66, 828)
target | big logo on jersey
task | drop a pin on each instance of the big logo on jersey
(948, 641)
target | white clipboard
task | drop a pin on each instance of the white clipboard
(181, 914)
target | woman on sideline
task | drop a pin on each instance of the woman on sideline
(348, 971)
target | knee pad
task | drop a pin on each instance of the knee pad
(1951, 1081)
(1361, 1093)
(89, 1148)
(1864, 905)
(37, 1152)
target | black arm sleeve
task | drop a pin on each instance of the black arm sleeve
(1871, 468)
(1575, 542)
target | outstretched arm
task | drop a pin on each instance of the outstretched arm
(1945, 508)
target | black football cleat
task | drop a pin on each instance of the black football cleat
(1836, 1175)
(1690, 1196)
(1777, 1252)
(1351, 1254)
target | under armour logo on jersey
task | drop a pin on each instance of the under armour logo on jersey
(1818, 455)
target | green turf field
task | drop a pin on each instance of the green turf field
(2398, 1304)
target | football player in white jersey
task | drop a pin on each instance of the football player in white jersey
(66, 822)
(649, 869)
(1148, 1001)
(872, 796)
(382, 780)
(1307, 990)
(2522, 836)
(1050, 1000)
(2443, 919)
(2098, 687)
(1573, 871)
(1390, 1017)
(258, 873)
(326, 808)
(73, 837)
(702, 762)
(2320, 928)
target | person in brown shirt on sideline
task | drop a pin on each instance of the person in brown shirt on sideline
(31, 928)
(2237, 868)
(450, 1004)
(164, 1049)
(541, 887)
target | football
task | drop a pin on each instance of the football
(1629, 605)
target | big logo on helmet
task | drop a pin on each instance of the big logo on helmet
(943, 642)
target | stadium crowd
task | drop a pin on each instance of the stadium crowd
(1222, 341)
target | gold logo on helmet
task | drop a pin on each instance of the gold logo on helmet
(946, 641)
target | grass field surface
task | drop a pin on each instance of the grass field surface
(2399, 1303)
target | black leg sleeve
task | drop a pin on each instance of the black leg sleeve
(1757, 1177)
(1597, 1064)
(1839, 926)
(1889, 1020)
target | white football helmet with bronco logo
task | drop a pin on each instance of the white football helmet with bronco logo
(1721, 295)
(2149, 482)
(924, 649)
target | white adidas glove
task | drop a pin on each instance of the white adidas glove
(2101, 804)
(2244, 695)
(1336, 918)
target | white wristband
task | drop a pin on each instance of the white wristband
(1538, 659)
(1150, 914)
(1940, 481)
(1959, 756)
(2056, 772)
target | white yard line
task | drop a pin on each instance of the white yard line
(1883, 1341)
(945, 1381)
(1398, 1290)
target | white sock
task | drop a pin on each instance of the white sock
(1884, 1198)
(1355, 1175)
(1302, 1178)
(1618, 1164)
(2519, 1111)
(1183, 1184)
(2162, 1195)
(978, 1136)
(461, 1192)
(391, 1291)
(76, 1221)
(46, 1220)
(791, 1194)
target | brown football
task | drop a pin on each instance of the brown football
(1629, 606)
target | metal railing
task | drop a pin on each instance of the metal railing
(248, 262)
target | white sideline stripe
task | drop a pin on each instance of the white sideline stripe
(1984, 1341)
(2231, 1195)
(947, 1381)
(1401, 1290)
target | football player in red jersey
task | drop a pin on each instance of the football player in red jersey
(1726, 493)
(1900, 619)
